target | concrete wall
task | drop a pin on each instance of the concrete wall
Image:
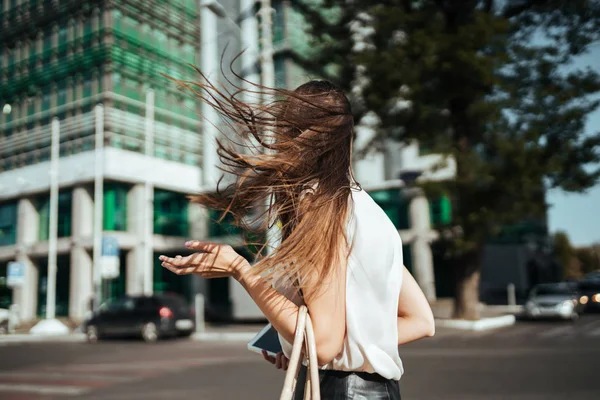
(121, 165)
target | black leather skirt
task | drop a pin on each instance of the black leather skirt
(340, 385)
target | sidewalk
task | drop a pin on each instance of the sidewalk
(491, 317)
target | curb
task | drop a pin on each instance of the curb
(223, 336)
(16, 338)
(481, 325)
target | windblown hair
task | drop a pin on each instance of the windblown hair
(292, 163)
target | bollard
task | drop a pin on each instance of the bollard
(511, 293)
(13, 317)
(199, 307)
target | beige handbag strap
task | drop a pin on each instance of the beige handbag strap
(304, 333)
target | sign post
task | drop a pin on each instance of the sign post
(15, 274)
(109, 260)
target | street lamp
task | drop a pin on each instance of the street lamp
(50, 325)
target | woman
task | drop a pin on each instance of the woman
(339, 253)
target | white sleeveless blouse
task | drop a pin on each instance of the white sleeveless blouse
(373, 281)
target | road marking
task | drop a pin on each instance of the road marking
(59, 375)
(558, 331)
(154, 366)
(593, 332)
(589, 325)
(43, 389)
(518, 330)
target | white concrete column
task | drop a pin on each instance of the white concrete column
(80, 288)
(27, 234)
(422, 257)
(81, 285)
(82, 213)
(26, 297)
(198, 220)
(136, 270)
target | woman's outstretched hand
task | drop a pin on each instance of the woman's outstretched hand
(281, 361)
(213, 260)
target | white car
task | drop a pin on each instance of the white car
(554, 300)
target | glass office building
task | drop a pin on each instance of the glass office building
(60, 59)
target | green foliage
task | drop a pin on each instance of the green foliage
(566, 255)
(488, 83)
(589, 257)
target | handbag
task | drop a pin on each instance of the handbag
(304, 337)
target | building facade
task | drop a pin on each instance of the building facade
(60, 59)
(386, 174)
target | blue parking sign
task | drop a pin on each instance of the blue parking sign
(15, 274)
(110, 246)
(109, 261)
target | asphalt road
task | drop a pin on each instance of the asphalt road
(528, 361)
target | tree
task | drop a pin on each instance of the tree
(567, 256)
(589, 257)
(488, 83)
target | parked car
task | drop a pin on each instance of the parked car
(590, 294)
(151, 317)
(4, 316)
(9, 319)
(554, 300)
(592, 276)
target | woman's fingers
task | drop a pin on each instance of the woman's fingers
(279, 360)
(285, 363)
(268, 358)
(178, 270)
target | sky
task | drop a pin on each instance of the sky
(579, 214)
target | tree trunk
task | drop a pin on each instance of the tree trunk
(467, 274)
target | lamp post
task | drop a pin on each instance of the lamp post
(98, 202)
(209, 11)
(147, 268)
(50, 325)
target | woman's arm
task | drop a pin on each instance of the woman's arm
(415, 319)
(326, 306)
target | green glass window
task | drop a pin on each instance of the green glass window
(278, 22)
(170, 213)
(224, 228)
(87, 27)
(8, 223)
(87, 88)
(280, 76)
(440, 211)
(62, 93)
(64, 215)
(63, 280)
(189, 53)
(5, 291)
(131, 26)
(46, 102)
(394, 205)
(11, 62)
(47, 39)
(62, 37)
(115, 206)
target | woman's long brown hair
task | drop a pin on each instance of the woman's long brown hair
(296, 151)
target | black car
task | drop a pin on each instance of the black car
(590, 294)
(150, 317)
